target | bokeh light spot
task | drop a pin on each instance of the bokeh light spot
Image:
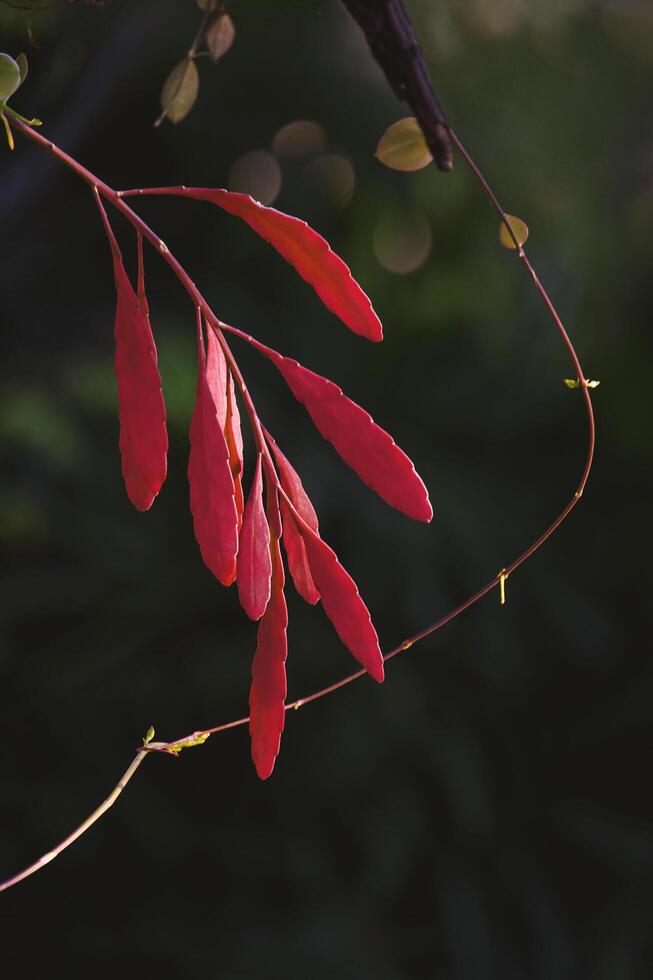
(332, 177)
(402, 241)
(300, 138)
(256, 173)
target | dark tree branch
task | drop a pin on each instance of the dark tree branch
(392, 41)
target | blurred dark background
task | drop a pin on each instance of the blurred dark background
(487, 813)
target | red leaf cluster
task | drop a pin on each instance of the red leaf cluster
(241, 541)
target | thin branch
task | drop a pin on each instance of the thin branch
(83, 827)
(201, 31)
(117, 199)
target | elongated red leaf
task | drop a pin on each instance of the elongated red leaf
(234, 438)
(292, 484)
(340, 598)
(303, 248)
(143, 434)
(298, 565)
(211, 483)
(293, 541)
(233, 421)
(216, 376)
(221, 384)
(254, 562)
(272, 500)
(268, 691)
(342, 603)
(366, 447)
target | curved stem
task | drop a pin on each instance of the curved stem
(521, 254)
(202, 306)
(83, 827)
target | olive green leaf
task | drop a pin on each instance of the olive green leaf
(403, 147)
(179, 92)
(519, 230)
(220, 36)
(9, 76)
(23, 67)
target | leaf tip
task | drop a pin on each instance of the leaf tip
(140, 497)
(264, 768)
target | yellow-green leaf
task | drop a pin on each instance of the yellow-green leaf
(403, 147)
(574, 383)
(198, 739)
(519, 228)
(9, 76)
(5, 123)
(220, 36)
(149, 735)
(179, 91)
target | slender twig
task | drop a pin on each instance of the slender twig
(83, 827)
(191, 55)
(117, 199)
(201, 31)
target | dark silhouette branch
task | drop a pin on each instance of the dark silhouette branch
(392, 41)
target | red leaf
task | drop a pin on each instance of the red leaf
(342, 603)
(234, 438)
(211, 484)
(254, 562)
(303, 248)
(143, 435)
(268, 691)
(221, 383)
(298, 565)
(366, 447)
(233, 420)
(216, 376)
(294, 543)
(272, 500)
(293, 485)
